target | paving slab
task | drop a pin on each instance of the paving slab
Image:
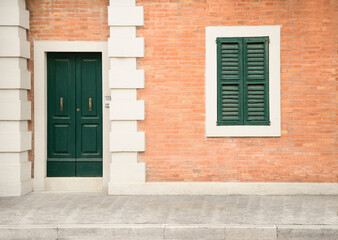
(195, 232)
(305, 232)
(95, 216)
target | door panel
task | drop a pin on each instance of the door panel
(63, 85)
(87, 73)
(74, 138)
(62, 136)
(89, 118)
(90, 135)
(61, 119)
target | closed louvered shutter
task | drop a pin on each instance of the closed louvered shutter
(230, 72)
(243, 81)
(256, 81)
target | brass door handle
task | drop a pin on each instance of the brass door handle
(90, 105)
(61, 104)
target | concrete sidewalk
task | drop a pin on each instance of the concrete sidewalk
(98, 216)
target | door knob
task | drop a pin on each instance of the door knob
(78, 109)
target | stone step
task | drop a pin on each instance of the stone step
(168, 231)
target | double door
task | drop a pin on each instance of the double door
(74, 102)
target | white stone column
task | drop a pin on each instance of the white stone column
(124, 80)
(15, 109)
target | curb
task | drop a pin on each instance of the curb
(168, 231)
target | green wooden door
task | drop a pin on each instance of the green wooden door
(74, 131)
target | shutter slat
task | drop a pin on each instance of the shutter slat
(253, 68)
(256, 59)
(255, 56)
(230, 64)
(255, 63)
(230, 51)
(255, 46)
(228, 72)
(229, 101)
(229, 55)
(229, 46)
(227, 105)
(261, 51)
(225, 59)
(230, 68)
(230, 87)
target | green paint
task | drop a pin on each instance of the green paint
(243, 81)
(74, 136)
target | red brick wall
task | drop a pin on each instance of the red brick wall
(174, 32)
(176, 147)
(65, 20)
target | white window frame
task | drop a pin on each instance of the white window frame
(272, 130)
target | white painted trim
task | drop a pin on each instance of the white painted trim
(15, 172)
(126, 47)
(126, 79)
(19, 141)
(15, 110)
(119, 3)
(74, 184)
(127, 110)
(14, 16)
(40, 101)
(15, 47)
(8, 189)
(274, 129)
(125, 16)
(15, 79)
(127, 142)
(135, 172)
(15, 139)
(223, 188)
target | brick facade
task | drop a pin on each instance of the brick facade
(174, 62)
(177, 149)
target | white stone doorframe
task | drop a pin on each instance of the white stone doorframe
(41, 182)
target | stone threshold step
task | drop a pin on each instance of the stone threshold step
(168, 231)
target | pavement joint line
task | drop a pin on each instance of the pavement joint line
(140, 225)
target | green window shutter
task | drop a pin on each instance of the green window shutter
(256, 81)
(243, 81)
(229, 84)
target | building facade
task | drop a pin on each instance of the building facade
(168, 96)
